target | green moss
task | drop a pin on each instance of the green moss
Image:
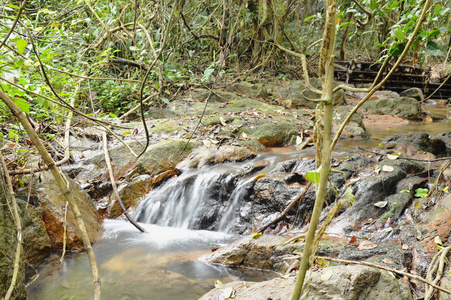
(166, 127)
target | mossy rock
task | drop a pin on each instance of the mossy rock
(403, 107)
(242, 104)
(164, 156)
(271, 133)
(253, 90)
(166, 127)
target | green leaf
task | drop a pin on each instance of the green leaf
(404, 191)
(434, 32)
(165, 100)
(22, 104)
(13, 6)
(437, 9)
(399, 34)
(313, 176)
(420, 192)
(206, 79)
(396, 49)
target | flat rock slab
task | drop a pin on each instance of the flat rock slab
(337, 283)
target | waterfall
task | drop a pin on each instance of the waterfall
(212, 198)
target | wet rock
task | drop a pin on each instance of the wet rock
(355, 127)
(53, 205)
(414, 92)
(404, 107)
(374, 189)
(438, 224)
(248, 252)
(131, 193)
(36, 239)
(164, 156)
(218, 154)
(92, 167)
(338, 283)
(411, 143)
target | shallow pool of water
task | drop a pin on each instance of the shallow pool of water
(159, 265)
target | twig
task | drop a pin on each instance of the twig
(437, 267)
(287, 209)
(113, 183)
(368, 264)
(65, 232)
(21, 8)
(12, 205)
(67, 194)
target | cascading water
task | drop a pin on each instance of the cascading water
(211, 198)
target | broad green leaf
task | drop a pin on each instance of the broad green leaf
(420, 192)
(165, 100)
(399, 34)
(208, 73)
(434, 32)
(437, 9)
(313, 176)
(22, 104)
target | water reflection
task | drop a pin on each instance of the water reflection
(159, 265)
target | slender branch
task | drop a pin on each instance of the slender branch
(21, 116)
(113, 183)
(287, 209)
(12, 204)
(16, 20)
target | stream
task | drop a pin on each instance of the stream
(164, 263)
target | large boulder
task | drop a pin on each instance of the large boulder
(337, 283)
(161, 158)
(414, 92)
(416, 143)
(355, 127)
(53, 205)
(403, 107)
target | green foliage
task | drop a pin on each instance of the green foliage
(421, 193)
(313, 176)
(116, 97)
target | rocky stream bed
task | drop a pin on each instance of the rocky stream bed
(244, 165)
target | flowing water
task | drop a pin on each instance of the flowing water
(163, 264)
